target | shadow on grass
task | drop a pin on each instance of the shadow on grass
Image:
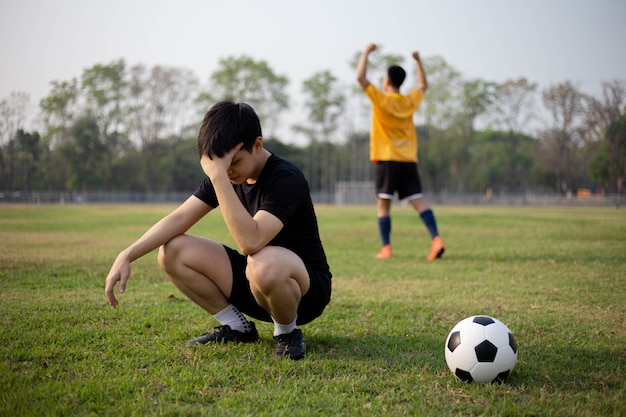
(571, 369)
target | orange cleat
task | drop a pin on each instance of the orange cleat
(436, 249)
(385, 252)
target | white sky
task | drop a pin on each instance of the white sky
(546, 41)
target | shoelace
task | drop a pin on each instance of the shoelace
(222, 330)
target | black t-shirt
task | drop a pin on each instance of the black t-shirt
(283, 191)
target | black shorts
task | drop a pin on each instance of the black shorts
(403, 177)
(311, 305)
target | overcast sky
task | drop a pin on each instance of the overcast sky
(546, 41)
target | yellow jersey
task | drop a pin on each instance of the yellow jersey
(393, 136)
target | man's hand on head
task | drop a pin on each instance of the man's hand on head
(215, 167)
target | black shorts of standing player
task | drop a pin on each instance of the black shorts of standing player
(400, 177)
(311, 305)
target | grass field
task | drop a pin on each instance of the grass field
(555, 276)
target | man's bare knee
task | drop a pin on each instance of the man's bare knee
(262, 271)
(161, 257)
(167, 253)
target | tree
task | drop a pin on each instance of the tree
(28, 152)
(513, 109)
(59, 110)
(616, 140)
(491, 161)
(562, 141)
(324, 105)
(82, 156)
(604, 135)
(598, 168)
(605, 111)
(356, 155)
(105, 90)
(183, 122)
(477, 97)
(514, 105)
(608, 164)
(12, 117)
(159, 100)
(242, 79)
(444, 142)
(458, 139)
(442, 104)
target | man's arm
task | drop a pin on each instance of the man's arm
(250, 233)
(361, 71)
(174, 224)
(422, 85)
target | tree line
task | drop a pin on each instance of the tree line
(133, 128)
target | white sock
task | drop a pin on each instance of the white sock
(231, 316)
(283, 328)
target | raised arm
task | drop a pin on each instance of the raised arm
(422, 85)
(361, 71)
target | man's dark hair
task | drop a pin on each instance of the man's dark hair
(396, 75)
(225, 125)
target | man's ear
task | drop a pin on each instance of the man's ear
(258, 143)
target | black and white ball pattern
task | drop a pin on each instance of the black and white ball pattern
(481, 349)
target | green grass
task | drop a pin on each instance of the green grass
(555, 276)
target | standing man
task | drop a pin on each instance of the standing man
(280, 274)
(393, 148)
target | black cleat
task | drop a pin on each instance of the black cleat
(289, 345)
(224, 334)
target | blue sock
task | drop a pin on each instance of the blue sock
(384, 227)
(429, 220)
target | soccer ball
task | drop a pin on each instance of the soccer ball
(481, 349)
